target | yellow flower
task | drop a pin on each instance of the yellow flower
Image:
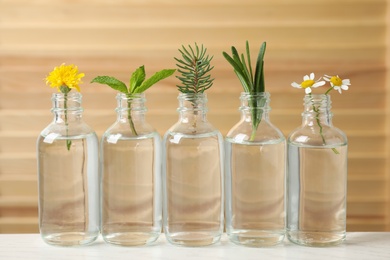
(65, 76)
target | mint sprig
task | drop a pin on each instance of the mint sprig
(137, 84)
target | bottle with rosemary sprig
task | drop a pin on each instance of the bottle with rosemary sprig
(255, 162)
(130, 164)
(193, 159)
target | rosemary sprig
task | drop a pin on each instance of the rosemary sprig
(252, 83)
(194, 67)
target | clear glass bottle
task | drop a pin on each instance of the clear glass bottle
(131, 207)
(255, 176)
(193, 176)
(317, 177)
(67, 152)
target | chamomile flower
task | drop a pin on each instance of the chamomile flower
(337, 83)
(308, 83)
(64, 78)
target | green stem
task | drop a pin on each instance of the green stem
(326, 93)
(130, 118)
(257, 114)
(320, 126)
(68, 142)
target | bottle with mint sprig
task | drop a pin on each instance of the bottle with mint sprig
(193, 159)
(255, 162)
(130, 161)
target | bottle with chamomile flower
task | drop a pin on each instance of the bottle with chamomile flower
(317, 170)
(67, 151)
(130, 166)
(193, 160)
(255, 168)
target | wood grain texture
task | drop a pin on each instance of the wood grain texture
(345, 37)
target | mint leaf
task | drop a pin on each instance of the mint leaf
(153, 80)
(137, 78)
(112, 82)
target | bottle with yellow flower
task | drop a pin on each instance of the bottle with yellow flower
(67, 151)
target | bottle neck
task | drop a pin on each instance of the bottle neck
(131, 107)
(192, 107)
(67, 107)
(255, 106)
(317, 110)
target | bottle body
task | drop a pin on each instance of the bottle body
(317, 178)
(193, 177)
(255, 176)
(131, 177)
(68, 176)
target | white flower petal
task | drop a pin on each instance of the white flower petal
(338, 88)
(306, 77)
(346, 82)
(295, 85)
(312, 76)
(308, 90)
(318, 84)
(325, 78)
(344, 87)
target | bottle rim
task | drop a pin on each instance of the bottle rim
(73, 102)
(257, 94)
(262, 100)
(135, 102)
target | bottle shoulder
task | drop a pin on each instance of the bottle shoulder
(124, 128)
(314, 135)
(192, 128)
(265, 132)
(78, 128)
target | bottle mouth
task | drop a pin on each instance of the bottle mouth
(317, 102)
(133, 102)
(264, 94)
(141, 96)
(67, 102)
(71, 96)
(193, 96)
(192, 102)
(259, 101)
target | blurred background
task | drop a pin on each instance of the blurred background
(344, 37)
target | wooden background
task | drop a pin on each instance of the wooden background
(345, 37)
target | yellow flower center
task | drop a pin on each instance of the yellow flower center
(336, 81)
(307, 83)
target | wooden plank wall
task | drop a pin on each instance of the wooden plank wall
(345, 37)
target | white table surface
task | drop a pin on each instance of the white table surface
(359, 245)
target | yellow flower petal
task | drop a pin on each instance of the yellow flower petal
(65, 75)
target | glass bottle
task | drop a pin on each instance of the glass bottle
(255, 176)
(193, 176)
(317, 177)
(131, 176)
(67, 153)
